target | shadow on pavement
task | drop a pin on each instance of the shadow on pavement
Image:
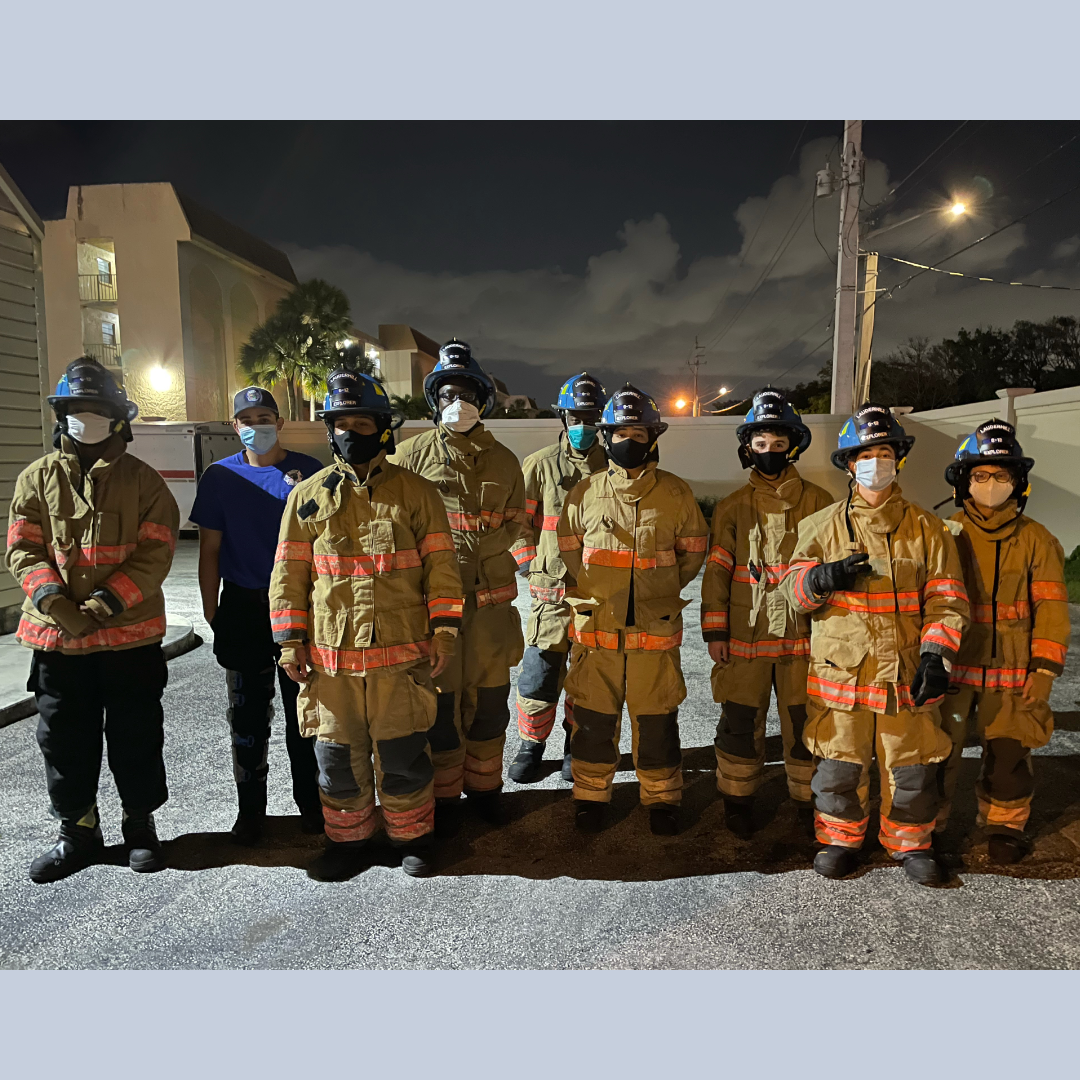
(540, 841)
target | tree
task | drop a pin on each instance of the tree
(411, 406)
(917, 374)
(814, 396)
(299, 342)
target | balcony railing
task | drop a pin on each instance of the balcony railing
(97, 287)
(107, 355)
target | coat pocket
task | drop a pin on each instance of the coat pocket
(307, 705)
(845, 653)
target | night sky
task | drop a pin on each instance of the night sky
(557, 246)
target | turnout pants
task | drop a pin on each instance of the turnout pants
(1008, 728)
(372, 736)
(108, 698)
(650, 684)
(543, 670)
(908, 746)
(744, 688)
(244, 646)
(469, 735)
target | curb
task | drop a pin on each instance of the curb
(185, 641)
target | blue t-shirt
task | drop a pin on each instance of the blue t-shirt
(245, 502)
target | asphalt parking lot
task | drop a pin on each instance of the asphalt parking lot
(534, 894)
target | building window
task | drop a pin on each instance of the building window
(104, 271)
(108, 333)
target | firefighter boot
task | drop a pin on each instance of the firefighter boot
(739, 817)
(418, 857)
(1005, 849)
(339, 861)
(448, 816)
(525, 768)
(489, 805)
(567, 774)
(142, 844)
(663, 820)
(922, 868)
(247, 829)
(77, 847)
(834, 861)
(589, 816)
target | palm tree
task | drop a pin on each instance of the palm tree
(299, 342)
(411, 406)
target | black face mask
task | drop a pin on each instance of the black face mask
(359, 449)
(772, 463)
(629, 453)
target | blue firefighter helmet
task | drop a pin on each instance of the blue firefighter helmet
(631, 407)
(770, 411)
(583, 391)
(86, 381)
(991, 443)
(872, 425)
(455, 363)
(351, 391)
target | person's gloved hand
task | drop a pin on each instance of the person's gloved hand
(838, 576)
(443, 644)
(96, 607)
(1038, 685)
(66, 614)
(931, 680)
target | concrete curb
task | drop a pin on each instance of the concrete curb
(180, 638)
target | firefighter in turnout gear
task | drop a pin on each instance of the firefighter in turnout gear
(483, 491)
(757, 642)
(90, 540)
(1000, 684)
(632, 538)
(881, 578)
(365, 571)
(550, 475)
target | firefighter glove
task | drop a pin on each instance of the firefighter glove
(838, 576)
(931, 680)
(66, 614)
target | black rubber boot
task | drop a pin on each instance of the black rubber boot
(247, 829)
(76, 848)
(922, 868)
(663, 820)
(1005, 849)
(525, 768)
(312, 821)
(739, 818)
(834, 861)
(489, 805)
(142, 844)
(449, 814)
(418, 857)
(339, 862)
(589, 816)
(567, 773)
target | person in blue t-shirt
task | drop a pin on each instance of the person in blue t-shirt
(238, 509)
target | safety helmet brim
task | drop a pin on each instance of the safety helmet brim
(901, 446)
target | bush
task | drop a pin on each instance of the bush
(1072, 576)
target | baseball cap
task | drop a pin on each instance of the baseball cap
(253, 397)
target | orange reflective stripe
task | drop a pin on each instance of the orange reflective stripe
(569, 543)
(125, 588)
(623, 559)
(1014, 817)
(446, 607)
(770, 650)
(536, 726)
(363, 660)
(288, 619)
(989, 678)
(345, 826)
(771, 574)
(300, 550)
(844, 694)
(105, 555)
(366, 565)
(874, 603)
(550, 523)
(984, 613)
(518, 514)
(1048, 650)
(714, 620)
(486, 597)
(685, 544)
(548, 595)
(410, 824)
(837, 832)
(435, 541)
(721, 556)
(940, 634)
(651, 642)
(21, 529)
(1048, 590)
(43, 575)
(48, 637)
(524, 554)
(531, 505)
(594, 639)
(149, 530)
(945, 587)
(463, 521)
(899, 837)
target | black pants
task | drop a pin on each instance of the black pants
(244, 646)
(80, 699)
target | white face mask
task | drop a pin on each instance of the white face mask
(875, 474)
(89, 428)
(460, 415)
(992, 494)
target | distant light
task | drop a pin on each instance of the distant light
(160, 380)
(957, 209)
(680, 404)
(724, 390)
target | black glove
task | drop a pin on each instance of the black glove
(931, 680)
(833, 576)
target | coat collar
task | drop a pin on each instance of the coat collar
(787, 489)
(588, 461)
(474, 442)
(996, 524)
(885, 518)
(628, 490)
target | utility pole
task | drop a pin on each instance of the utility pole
(847, 270)
(695, 363)
(866, 328)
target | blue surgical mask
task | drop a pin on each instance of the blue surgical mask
(581, 436)
(259, 438)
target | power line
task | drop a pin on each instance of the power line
(896, 187)
(975, 277)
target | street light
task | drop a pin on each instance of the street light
(957, 209)
(160, 380)
(680, 404)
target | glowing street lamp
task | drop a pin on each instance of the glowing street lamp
(957, 209)
(680, 404)
(160, 379)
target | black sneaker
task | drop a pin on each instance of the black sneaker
(76, 848)
(338, 862)
(489, 805)
(834, 861)
(739, 818)
(247, 830)
(922, 868)
(663, 820)
(1005, 849)
(142, 844)
(525, 768)
(419, 858)
(589, 816)
(312, 821)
